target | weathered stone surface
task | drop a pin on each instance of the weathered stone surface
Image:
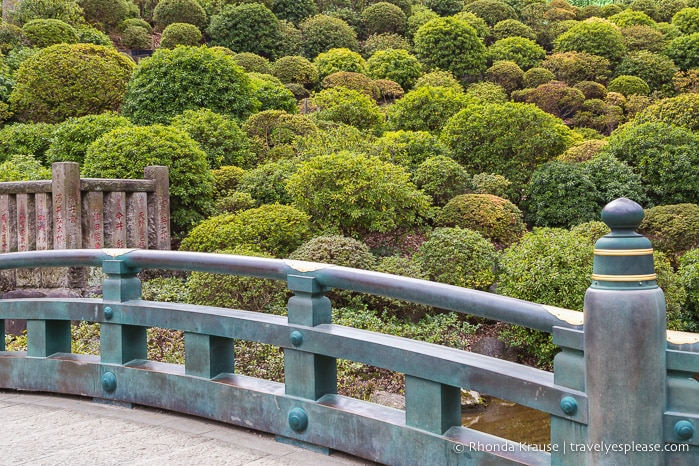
(392, 400)
(494, 348)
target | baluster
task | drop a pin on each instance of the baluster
(431, 406)
(207, 356)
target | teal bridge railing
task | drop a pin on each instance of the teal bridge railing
(623, 390)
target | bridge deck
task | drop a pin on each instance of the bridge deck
(50, 430)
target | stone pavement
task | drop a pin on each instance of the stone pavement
(51, 430)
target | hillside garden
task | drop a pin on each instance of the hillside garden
(472, 143)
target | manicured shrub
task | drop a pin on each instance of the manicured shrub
(687, 81)
(688, 278)
(628, 85)
(505, 73)
(495, 218)
(631, 18)
(439, 78)
(295, 69)
(234, 202)
(672, 229)
(420, 15)
(107, 13)
(351, 16)
(656, 70)
(490, 183)
(675, 294)
(292, 43)
(444, 7)
(46, 32)
(226, 179)
(536, 76)
(248, 27)
(665, 156)
(408, 148)
(23, 168)
(72, 137)
(271, 93)
(574, 67)
(512, 28)
(355, 194)
(594, 36)
(26, 139)
(687, 20)
(272, 132)
(341, 59)
(684, 51)
(322, 33)
(336, 250)
(389, 90)
(273, 228)
(332, 139)
(384, 17)
(442, 178)
(482, 140)
(354, 81)
(452, 45)
(396, 65)
(90, 35)
(682, 110)
(64, 10)
(10, 37)
(555, 97)
(525, 52)
(582, 151)
(252, 63)
(233, 292)
(294, 11)
(187, 78)
(176, 34)
(218, 136)
(643, 38)
(492, 11)
(136, 38)
(47, 90)
(167, 12)
(458, 257)
(426, 108)
(593, 230)
(266, 183)
(342, 105)
(666, 9)
(591, 89)
(477, 23)
(386, 41)
(124, 153)
(488, 92)
(125, 24)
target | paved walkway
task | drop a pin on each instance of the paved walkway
(52, 430)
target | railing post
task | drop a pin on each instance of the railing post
(431, 406)
(308, 375)
(119, 343)
(207, 356)
(625, 345)
(158, 207)
(47, 337)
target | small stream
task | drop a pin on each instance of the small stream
(511, 421)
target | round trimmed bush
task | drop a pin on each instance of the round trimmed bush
(426, 108)
(294, 11)
(355, 194)
(233, 292)
(396, 65)
(342, 105)
(386, 41)
(226, 179)
(490, 183)
(420, 15)
(176, 34)
(248, 27)
(336, 250)
(536, 76)
(450, 44)
(408, 148)
(124, 153)
(340, 59)
(631, 18)
(512, 28)
(656, 70)
(354, 81)
(492, 11)
(582, 151)
(595, 36)
(505, 73)
(459, 257)
(271, 93)
(167, 12)
(488, 92)
(46, 32)
(23, 168)
(138, 22)
(65, 10)
(384, 17)
(26, 139)
(187, 78)
(555, 97)
(47, 90)
(525, 52)
(688, 278)
(628, 85)
(445, 7)
(107, 13)
(218, 136)
(439, 78)
(442, 178)
(593, 230)
(682, 110)
(574, 67)
(252, 62)
(495, 218)
(684, 51)
(591, 89)
(687, 20)
(295, 69)
(266, 183)
(389, 90)
(482, 140)
(271, 132)
(10, 37)
(72, 137)
(673, 229)
(136, 38)
(292, 43)
(477, 23)
(643, 38)
(90, 35)
(275, 229)
(322, 33)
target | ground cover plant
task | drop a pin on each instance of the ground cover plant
(414, 134)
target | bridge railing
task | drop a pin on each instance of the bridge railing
(306, 407)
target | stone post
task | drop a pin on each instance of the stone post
(624, 345)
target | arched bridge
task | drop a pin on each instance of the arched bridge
(622, 390)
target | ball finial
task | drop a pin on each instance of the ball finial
(622, 214)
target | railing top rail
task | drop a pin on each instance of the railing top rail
(86, 184)
(492, 306)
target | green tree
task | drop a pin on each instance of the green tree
(595, 36)
(322, 33)
(525, 52)
(294, 10)
(426, 108)
(347, 106)
(176, 34)
(249, 27)
(179, 11)
(341, 59)
(396, 65)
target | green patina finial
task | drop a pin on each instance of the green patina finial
(623, 258)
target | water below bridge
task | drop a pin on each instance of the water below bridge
(511, 421)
